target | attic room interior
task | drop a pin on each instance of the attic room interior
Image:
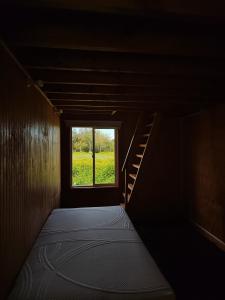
(112, 143)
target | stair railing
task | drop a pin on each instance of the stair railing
(124, 167)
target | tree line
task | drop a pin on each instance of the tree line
(82, 141)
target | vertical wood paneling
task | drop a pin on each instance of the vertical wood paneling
(204, 169)
(157, 197)
(29, 166)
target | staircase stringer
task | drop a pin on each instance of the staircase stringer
(146, 152)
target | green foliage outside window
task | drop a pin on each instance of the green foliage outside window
(82, 157)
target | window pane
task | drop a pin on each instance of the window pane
(105, 156)
(82, 160)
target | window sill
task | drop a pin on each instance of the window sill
(94, 187)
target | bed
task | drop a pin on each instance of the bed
(90, 253)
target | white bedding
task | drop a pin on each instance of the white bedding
(90, 253)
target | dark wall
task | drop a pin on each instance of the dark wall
(93, 196)
(157, 194)
(204, 169)
(29, 166)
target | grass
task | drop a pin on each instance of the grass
(82, 168)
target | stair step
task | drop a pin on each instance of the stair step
(146, 135)
(128, 196)
(139, 155)
(136, 166)
(133, 176)
(130, 186)
(142, 145)
(149, 125)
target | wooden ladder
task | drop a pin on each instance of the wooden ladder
(136, 152)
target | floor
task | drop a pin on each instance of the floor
(194, 267)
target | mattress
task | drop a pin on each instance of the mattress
(90, 253)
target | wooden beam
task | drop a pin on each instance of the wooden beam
(151, 107)
(162, 108)
(122, 101)
(132, 7)
(125, 104)
(165, 95)
(99, 97)
(127, 37)
(61, 90)
(83, 109)
(86, 89)
(62, 59)
(128, 105)
(104, 107)
(190, 11)
(122, 109)
(98, 103)
(161, 96)
(115, 79)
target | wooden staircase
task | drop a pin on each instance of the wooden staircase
(140, 142)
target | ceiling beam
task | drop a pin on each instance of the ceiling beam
(115, 79)
(133, 7)
(126, 106)
(129, 109)
(127, 37)
(131, 100)
(174, 109)
(98, 103)
(86, 109)
(62, 59)
(60, 90)
(108, 107)
(94, 107)
(205, 71)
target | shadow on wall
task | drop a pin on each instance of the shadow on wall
(204, 169)
(157, 196)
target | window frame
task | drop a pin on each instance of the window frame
(93, 126)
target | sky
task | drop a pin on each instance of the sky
(108, 132)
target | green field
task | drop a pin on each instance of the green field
(82, 168)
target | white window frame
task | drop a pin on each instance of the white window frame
(96, 125)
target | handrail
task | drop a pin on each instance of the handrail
(131, 143)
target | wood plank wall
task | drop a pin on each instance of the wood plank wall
(29, 166)
(157, 197)
(204, 171)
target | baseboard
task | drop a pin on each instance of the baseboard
(211, 237)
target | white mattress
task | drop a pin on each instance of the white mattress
(90, 253)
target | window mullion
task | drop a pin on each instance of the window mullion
(93, 154)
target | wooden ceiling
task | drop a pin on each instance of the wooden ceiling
(106, 56)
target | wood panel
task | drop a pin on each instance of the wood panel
(120, 33)
(157, 197)
(29, 166)
(115, 79)
(129, 98)
(204, 169)
(76, 60)
(166, 60)
(156, 91)
(188, 9)
(126, 39)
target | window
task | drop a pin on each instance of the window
(94, 156)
